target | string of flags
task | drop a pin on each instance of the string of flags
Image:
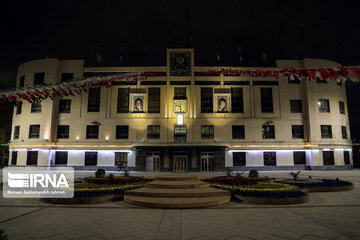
(80, 86)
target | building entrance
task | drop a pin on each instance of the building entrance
(207, 161)
(152, 161)
(180, 163)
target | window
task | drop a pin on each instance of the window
(239, 159)
(16, 132)
(270, 158)
(121, 159)
(36, 106)
(297, 131)
(61, 158)
(123, 100)
(154, 100)
(266, 100)
(39, 78)
(19, 108)
(92, 132)
(326, 131)
(237, 101)
(32, 158)
(65, 106)
(324, 105)
(295, 106)
(328, 157)
(293, 79)
(268, 132)
(346, 158)
(319, 80)
(342, 107)
(180, 133)
(122, 131)
(14, 157)
(91, 158)
(153, 132)
(34, 131)
(343, 132)
(207, 100)
(94, 100)
(299, 157)
(63, 131)
(22, 81)
(238, 132)
(207, 131)
(180, 93)
(67, 76)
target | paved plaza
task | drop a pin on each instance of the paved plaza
(333, 215)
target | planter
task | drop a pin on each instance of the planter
(272, 200)
(328, 189)
(84, 200)
(320, 185)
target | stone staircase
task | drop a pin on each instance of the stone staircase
(177, 191)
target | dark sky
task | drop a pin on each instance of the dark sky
(74, 29)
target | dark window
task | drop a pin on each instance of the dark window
(39, 78)
(326, 131)
(32, 158)
(343, 132)
(180, 133)
(63, 131)
(61, 158)
(67, 76)
(328, 157)
(319, 80)
(299, 157)
(122, 131)
(19, 108)
(91, 158)
(346, 157)
(239, 159)
(123, 100)
(16, 132)
(268, 132)
(94, 100)
(238, 132)
(65, 106)
(270, 158)
(92, 132)
(22, 81)
(207, 100)
(207, 131)
(121, 159)
(297, 131)
(180, 93)
(266, 100)
(153, 132)
(14, 157)
(36, 106)
(293, 79)
(34, 131)
(295, 106)
(154, 100)
(237, 101)
(324, 105)
(342, 107)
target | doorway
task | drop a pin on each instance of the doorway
(207, 161)
(152, 162)
(180, 163)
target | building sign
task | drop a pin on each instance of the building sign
(180, 64)
(180, 105)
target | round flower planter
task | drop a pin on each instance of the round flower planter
(328, 189)
(272, 200)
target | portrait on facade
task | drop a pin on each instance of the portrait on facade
(222, 103)
(138, 103)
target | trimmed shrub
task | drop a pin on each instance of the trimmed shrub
(253, 174)
(100, 173)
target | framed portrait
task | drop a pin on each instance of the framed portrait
(138, 103)
(222, 103)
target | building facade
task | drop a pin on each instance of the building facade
(183, 120)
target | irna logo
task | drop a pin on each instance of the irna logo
(34, 180)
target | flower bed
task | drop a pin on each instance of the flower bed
(319, 185)
(267, 193)
(115, 180)
(231, 180)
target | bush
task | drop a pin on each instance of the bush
(111, 176)
(3, 236)
(100, 173)
(308, 183)
(294, 175)
(253, 174)
(90, 190)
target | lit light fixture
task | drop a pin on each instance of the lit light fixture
(107, 138)
(180, 119)
(77, 138)
(95, 123)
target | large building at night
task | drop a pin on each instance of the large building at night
(182, 120)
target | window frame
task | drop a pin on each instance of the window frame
(240, 160)
(123, 98)
(264, 134)
(207, 100)
(206, 132)
(58, 155)
(90, 162)
(180, 137)
(19, 108)
(36, 106)
(63, 135)
(294, 132)
(323, 109)
(94, 99)
(265, 100)
(343, 132)
(342, 107)
(296, 104)
(154, 100)
(120, 134)
(16, 132)
(39, 78)
(237, 100)
(267, 161)
(296, 155)
(235, 134)
(34, 135)
(326, 135)
(155, 132)
(88, 134)
(328, 162)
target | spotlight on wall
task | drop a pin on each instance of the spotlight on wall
(107, 138)
(95, 123)
(77, 138)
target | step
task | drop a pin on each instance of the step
(177, 193)
(157, 202)
(177, 178)
(177, 184)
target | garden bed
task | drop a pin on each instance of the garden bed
(267, 193)
(231, 180)
(319, 185)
